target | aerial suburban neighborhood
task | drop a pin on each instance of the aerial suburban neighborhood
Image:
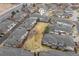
(39, 29)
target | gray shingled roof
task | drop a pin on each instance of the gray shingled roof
(29, 23)
(52, 6)
(7, 25)
(58, 40)
(16, 37)
(68, 9)
(62, 27)
(41, 17)
(66, 21)
(42, 6)
(57, 53)
(9, 51)
(1, 20)
(62, 20)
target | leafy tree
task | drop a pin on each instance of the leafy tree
(17, 11)
(13, 14)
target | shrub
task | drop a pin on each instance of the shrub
(47, 29)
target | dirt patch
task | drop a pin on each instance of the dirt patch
(33, 42)
(5, 6)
